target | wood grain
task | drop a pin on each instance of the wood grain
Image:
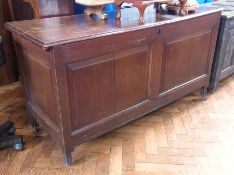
(205, 149)
(95, 79)
(9, 71)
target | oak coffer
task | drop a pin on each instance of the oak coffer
(223, 64)
(84, 77)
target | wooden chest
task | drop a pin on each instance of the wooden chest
(85, 77)
(223, 65)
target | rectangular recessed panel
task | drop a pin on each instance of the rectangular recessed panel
(229, 53)
(91, 92)
(184, 59)
(39, 79)
(131, 76)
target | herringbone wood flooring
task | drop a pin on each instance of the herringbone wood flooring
(190, 136)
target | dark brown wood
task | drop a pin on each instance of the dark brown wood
(141, 5)
(157, 6)
(96, 86)
(30, 9)
(133, 63)
(8, 72)
(84, 77)
(182, 5)
(195, 46)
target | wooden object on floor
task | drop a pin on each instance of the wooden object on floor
(81, 83)
(30, 9)
(223, 64)
(141, 5)
(2, 56)
(8, 72)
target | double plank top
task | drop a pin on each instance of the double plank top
(55, 31)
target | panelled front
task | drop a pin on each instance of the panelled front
(229, 50)
(118, 79)
(186, 52)
(103, 86)
(92, 85)
(184, 59)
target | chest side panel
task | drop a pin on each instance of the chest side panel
(39, 79)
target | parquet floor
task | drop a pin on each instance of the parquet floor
(189, 137)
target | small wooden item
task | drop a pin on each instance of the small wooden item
(183, 6)
(140, 4)
(182, 10)
(95, 7)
